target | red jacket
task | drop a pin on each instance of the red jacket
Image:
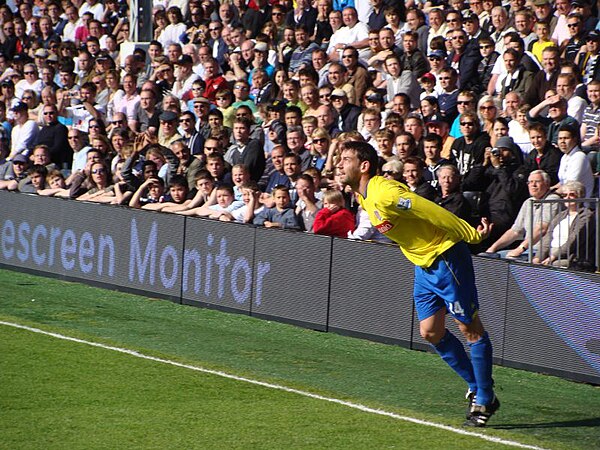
(335, 224)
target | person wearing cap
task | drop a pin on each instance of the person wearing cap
(347, 112)
(24, 132)
(505, 186)
(544, 13)
(261, 61)
(184, 77)
(557, 115)
(12, 172)
(167, 133)
(587, 58)
(584, 8)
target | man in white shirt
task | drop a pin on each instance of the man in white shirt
(354, 33)
(24, 132)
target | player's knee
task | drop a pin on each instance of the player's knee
(431, 335)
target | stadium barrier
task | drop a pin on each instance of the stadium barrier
(540, 318)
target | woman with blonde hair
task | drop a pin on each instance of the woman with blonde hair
(487, 111)
(319, 148)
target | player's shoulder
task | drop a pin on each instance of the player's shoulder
(385, 193)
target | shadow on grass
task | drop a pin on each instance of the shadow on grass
(565, 424)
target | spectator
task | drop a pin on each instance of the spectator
(450, 197)
(282, 215)
(334, 219)
(574, 164)
(575, 247)
(539, 189)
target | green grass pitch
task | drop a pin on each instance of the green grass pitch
(61, 394)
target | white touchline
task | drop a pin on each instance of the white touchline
(277, 386)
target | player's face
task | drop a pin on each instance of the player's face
(349, 168)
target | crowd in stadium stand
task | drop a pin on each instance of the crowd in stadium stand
(237, 111)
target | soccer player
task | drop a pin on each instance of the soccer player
(434, 240)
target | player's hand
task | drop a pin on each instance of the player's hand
(485, 228)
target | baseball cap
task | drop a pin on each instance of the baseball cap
(7, 82)
(202, 100)
(541, 2)
(338, 93)
(41, 53)
(168, 116)
(504, 142)
(184, 59)
(19, 106)
(593, 36)
(260, 47)
(375, 98)
(428, 77)
(437, 54)
(20, 158)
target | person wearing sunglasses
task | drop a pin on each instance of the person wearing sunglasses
(469, 149)
(54, 135)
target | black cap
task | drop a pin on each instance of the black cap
(19, 106)
(184, 59)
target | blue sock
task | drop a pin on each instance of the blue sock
(481, 358)
(452, 351)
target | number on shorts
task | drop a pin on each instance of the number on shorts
(456, 309)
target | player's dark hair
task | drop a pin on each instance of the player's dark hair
(364, 152)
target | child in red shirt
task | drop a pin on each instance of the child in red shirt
(333, 220)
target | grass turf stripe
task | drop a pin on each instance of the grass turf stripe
(352, 405)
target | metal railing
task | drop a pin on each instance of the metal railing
(587, 254)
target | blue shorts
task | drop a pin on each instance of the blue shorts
(449, 282)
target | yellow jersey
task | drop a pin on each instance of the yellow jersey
(422, 229)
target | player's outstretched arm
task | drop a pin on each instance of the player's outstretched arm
(485, 228)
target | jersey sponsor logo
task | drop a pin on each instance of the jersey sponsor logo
(404, 203)
(384, 226)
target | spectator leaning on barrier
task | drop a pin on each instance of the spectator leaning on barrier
(539, 189)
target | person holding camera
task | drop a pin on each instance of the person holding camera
(503, 186)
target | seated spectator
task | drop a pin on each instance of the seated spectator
(282, 215)
(334, 219)
(413, 177)
(37, 180)
(178, 195)
(246, 213)
(557, 115)
(570, 239)
(450, 196)
(539, 189)
(307, 205)
(392, 170)
(503, 185)
(469, 149)
(544, 155)
(55, 185)
(574, 164)
(225, 204)
(432, 148)
(100, 181)
(14, 171)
